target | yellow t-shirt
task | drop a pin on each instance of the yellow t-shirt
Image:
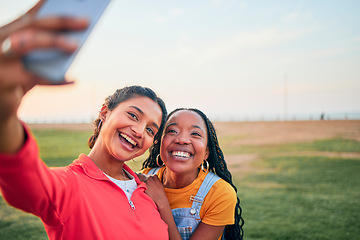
(218, 208)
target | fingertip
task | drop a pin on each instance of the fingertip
(68, 45)
(76, 23)
(56, 22)
(82, 21)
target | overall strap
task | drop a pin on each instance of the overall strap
(154, 170)
(198, 200)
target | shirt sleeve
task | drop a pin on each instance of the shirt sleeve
(145, 170)
(28, 184)
(219, 205)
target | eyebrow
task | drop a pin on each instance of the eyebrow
(170, 124)
(194, 126)
(142, 112)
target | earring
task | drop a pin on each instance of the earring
(157, 161)
(207, 166)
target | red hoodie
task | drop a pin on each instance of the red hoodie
(77, 201)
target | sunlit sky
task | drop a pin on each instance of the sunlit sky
(234, 60)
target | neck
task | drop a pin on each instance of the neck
(174, 180)
(109, 165)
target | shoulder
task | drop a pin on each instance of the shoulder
(158, 171)
(222, 188)
(219, 204)
(145, 170)
(220, 191)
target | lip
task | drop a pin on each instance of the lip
(181, 154)
(128, 139)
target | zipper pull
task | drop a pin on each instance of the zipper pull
(132, 205)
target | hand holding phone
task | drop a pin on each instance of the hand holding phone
(52, 64)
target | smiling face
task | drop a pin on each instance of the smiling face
(184, 142)
(128, 130)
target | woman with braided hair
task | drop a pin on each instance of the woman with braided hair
(187, 177)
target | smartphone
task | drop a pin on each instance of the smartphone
(52, 64)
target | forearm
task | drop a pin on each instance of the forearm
(11, 130)
(156, 191)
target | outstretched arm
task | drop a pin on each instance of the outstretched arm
(16, 39)
(22, 173)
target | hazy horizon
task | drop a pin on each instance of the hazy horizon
(235, 60)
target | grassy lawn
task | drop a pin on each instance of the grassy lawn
(303, 198)
(295, 196)
(299, 196)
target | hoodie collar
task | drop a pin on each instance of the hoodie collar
(91, 170)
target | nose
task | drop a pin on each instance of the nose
(138, 130)
(182, 139)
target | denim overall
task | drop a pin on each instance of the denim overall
(187, 219)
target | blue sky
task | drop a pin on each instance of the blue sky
(232, 59)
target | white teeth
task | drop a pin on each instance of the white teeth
(181, 154)
(127, 138)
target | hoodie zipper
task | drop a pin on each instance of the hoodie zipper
(132, 205)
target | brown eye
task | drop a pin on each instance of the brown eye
(133, 116)
(196, 134)
(150, 131)
(171, 131)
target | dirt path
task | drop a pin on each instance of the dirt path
(242, 164)
(263, 133)
(255, 133)
(260, 133)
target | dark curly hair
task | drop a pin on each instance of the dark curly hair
(217, 165)
(123, 94)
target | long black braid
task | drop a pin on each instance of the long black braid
(217, 165)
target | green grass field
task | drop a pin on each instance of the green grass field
(306, 190)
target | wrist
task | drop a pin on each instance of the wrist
(12, 136)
